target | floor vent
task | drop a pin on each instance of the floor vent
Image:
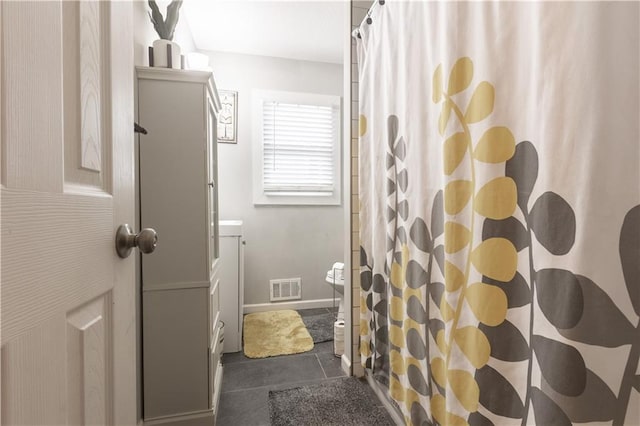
(285, 289)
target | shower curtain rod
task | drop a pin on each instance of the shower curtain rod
(369, 20)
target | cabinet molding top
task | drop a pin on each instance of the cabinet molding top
(187, 76)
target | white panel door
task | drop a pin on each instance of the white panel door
(67, 181)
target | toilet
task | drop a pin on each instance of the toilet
(335, 277)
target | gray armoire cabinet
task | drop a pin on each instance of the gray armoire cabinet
(181, 331)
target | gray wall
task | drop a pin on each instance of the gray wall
(282, 241)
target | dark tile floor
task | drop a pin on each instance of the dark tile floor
(246, 383)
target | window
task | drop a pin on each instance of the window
(296, 148)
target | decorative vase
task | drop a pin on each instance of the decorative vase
(166, 54)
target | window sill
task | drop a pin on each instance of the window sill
(288, 199)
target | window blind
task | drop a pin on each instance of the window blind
(298, 147)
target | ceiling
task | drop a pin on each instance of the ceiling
(305, 30)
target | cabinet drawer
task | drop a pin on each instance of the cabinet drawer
(215, 367)
(214, 310)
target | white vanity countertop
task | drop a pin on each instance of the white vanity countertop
(230, 228)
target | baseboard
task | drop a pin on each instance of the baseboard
(295, 304)
(187, 419)
(345, 363)
(382, 396)
(357, 369)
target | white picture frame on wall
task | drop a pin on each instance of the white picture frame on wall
(228, 116)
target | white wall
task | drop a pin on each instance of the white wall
(282, 241)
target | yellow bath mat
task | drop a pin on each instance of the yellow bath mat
(275, 333)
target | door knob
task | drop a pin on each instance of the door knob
(146, 240)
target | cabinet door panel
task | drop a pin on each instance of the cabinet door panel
(212, 177)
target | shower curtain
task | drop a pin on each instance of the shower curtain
(500, 210)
